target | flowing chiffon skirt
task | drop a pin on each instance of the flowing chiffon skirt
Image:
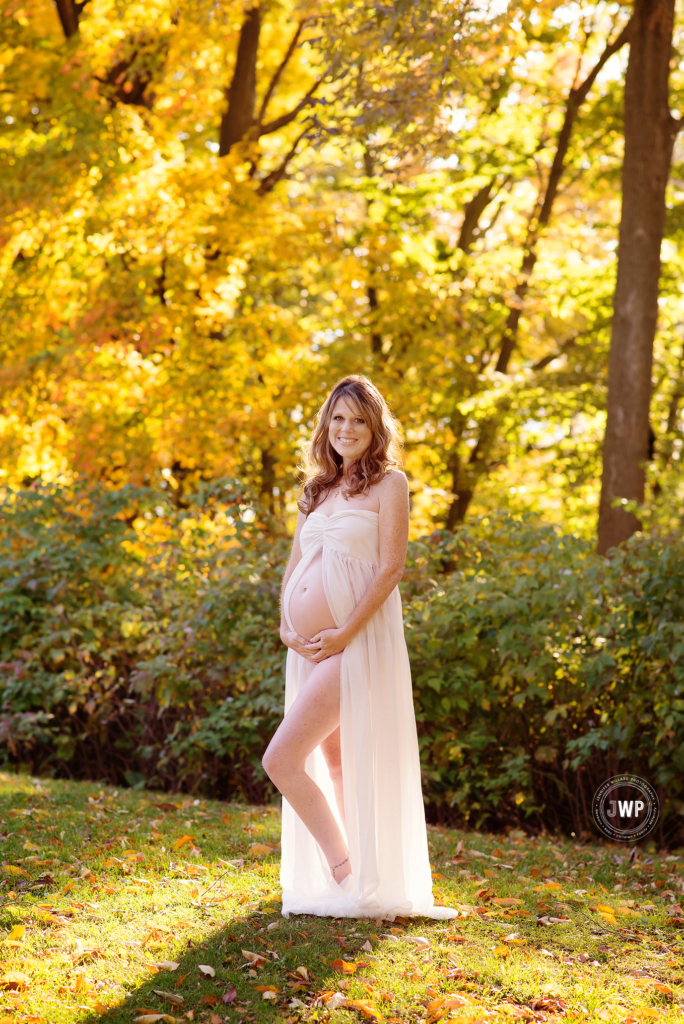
(383, 803)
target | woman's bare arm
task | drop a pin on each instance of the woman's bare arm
(393, 542)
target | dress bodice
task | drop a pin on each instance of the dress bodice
(350, 531)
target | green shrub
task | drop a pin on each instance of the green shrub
(542, 669)
(139, 643)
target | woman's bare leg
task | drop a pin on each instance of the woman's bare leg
(332, 752)
(314, 715)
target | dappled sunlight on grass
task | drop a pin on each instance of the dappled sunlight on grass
(136, 906)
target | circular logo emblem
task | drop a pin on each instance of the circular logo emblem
(625, 808)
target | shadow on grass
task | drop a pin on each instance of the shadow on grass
(300, 942)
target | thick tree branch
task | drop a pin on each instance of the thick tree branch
(69, 12)
(241, 95)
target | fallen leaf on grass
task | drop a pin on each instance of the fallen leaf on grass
(552, 989)
(501, 951)
(303, 972)
(367, 1011)
(343, 966)
(254, 958)
(230, 995)
(14, 980)
(209, 1000)
(163, 965)
(177, 843)
(208, 971)
(173, 997)
(17, 932)
(506, 901)
(664, 990)
(214, 1019)
(260, 850)
(150, 1018)
(513, 1010)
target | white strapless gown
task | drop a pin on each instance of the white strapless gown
(383, 802)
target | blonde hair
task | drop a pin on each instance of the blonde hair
(322, 464)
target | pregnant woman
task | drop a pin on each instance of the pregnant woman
(345, 756)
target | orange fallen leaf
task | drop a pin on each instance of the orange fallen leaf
(209, 1000)
(177, 843)
(342, 966)
(367, 1011)
(260, 850)
(502, 951)
(214, 1019)
(151, 1018)
(506, 901)
(14, 980)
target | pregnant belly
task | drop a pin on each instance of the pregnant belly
(308, 607)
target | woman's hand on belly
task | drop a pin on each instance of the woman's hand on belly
(299, 644)
(327, 642)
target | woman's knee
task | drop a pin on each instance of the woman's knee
(269, 762)
(276, 762)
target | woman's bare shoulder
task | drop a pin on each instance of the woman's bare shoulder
(393, 486)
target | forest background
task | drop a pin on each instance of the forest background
(212, 211)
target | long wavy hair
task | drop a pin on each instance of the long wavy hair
(322, 464)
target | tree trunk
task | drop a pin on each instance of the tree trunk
(68, 15)
(650, 131)
(239, 117)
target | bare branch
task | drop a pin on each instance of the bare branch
(272, 179)
(284, 119)
(279, 70)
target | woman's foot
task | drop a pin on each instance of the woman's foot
(347, 883)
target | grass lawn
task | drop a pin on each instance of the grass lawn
(133, 906)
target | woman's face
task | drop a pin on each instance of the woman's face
(348, 433)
